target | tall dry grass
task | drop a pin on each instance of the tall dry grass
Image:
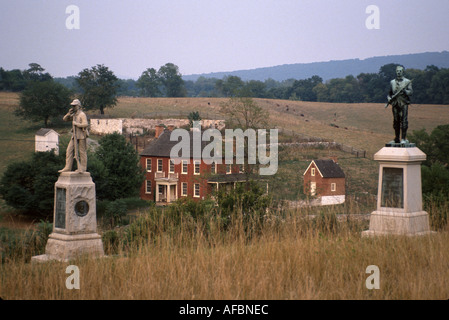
(290, 258)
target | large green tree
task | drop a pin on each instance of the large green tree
(255, 88)
(149, 83)
(171, 80)
(36, 73)
(119, 172)
(99, 88)
(303, 89)
(230, 86)
(43, 101)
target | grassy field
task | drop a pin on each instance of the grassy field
(16, 135)
(292, 258)
(287, 257)
(363, 126)
(366, 126)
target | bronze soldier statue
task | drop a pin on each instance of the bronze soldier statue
(77, 147)
(399, 98)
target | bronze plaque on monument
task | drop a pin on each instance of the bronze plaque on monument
(60, 208)
(392, 188)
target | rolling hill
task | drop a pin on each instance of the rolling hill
(333, 69)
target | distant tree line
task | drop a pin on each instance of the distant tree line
(431, 85)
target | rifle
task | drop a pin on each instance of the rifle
(397, 93)
(75, 145)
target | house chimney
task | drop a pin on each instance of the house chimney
(159, 129)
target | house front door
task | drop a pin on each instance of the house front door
(162, 192)
(173, 193)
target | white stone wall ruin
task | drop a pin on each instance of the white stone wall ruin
(106, 126)
(127, 125)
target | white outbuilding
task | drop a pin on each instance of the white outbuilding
(46, 140)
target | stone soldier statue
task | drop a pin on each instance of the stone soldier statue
(77, 147)
(399, 98)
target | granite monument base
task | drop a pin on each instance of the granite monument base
(393, 223)
(68, 247)
(399, 197)
(74, 224)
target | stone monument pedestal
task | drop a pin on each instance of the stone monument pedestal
(75, 222)
(399, 197)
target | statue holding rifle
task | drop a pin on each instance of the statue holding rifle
(399, 98)
(77, 146)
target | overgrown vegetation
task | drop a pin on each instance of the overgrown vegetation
(23, 244)
(278, 255)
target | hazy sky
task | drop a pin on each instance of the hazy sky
(202, 36)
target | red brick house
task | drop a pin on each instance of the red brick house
(166, 181)
(325, 179)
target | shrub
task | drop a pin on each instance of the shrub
(111, 241)
(22, 245)
(120, 175)
(44, 229)
(29, 186)
(115, 212)
(437, 206)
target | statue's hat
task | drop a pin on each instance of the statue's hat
(76, 102)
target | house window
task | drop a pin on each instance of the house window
(333, 187)
(172, 166)
(228, 168)
(148, 186)
(184, 166)
(159, 165)
(184, 189)
(242, 168)
(148, 165)
(313, 172)
(213, 167)
(196, 190)
(196, 167)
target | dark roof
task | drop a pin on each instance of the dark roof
(161, 147)
(43, 131)
(329, 169)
